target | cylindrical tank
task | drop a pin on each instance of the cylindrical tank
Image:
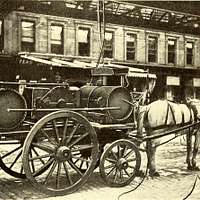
(108, 96)
(11, 99)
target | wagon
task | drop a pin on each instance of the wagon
(56, 135)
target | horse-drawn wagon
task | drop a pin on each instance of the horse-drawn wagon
(56, 135)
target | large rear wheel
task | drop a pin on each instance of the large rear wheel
(59, 139)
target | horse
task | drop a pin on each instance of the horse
(161, 116)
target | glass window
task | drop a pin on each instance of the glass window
(83, 41)
(28, 36)
(171, 51)
(1, 35)
(108, 45)
(152, 49)
(130, 46)
(189, 53)
(56, 39)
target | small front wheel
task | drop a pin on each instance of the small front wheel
(119, 163)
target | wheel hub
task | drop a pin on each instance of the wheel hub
(63, 153)
(122, 163)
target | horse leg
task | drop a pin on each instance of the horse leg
(151, 152)
(189, 150)
(195, 150)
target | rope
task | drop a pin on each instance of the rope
(129, 191)
(193, 187)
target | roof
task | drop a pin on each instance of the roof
(52, 60)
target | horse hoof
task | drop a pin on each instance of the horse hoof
(189, 167)
(193, 168)
(196, 168)
(154, 174)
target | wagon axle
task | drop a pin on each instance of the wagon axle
(63, 154)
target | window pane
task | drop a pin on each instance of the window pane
(1, 36)
(83, 35)
(0, 27)
(171, 51)
(27, 31)
(189, 52)
(152, 49)
(83, 41)
(108, 45)
(130, 46)
(28, 36)
(56, 34)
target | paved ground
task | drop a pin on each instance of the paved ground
(174, 184)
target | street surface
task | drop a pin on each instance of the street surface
(174, 183)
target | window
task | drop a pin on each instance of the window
(56, 39)
(28, 36)
(83, 41)
(1, 36)
(189, 53)
(108, 45)
(130, 46)
(152, 49)
(171, 51)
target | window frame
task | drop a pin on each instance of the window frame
(148, 49)
(62, 37)
(193, 52)
(86, 27)
(112, 45)
(2, 35)
(174, 51)
(34, 34)
(135, 46)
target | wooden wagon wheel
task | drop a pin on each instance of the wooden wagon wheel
(119, 163)
(11, 158)
(59, 138)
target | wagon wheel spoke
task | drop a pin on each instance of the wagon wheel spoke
(67, 174)
(38, 171)
(121, 173)
(38, 156)
(75, 168)
(83, 147)
(10, 160)
(78, 140)
(65, 131)
(42, 156)
(47, 136)
(43, 146)
(16, 159)
(111, 171)
(111, 160)
(58, 176)
(32, 164)
(56, 131)
(72, 133)
(66, 161)
(50, 173)
(11, 152)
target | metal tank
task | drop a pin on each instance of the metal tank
(11, 99)
(105, 97)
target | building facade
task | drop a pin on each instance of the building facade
(171, 53)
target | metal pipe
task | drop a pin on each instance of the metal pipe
(33, 84)
(64, 109)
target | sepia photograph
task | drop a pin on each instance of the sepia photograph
(99, 100)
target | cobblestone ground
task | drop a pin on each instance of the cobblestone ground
(174, 183)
